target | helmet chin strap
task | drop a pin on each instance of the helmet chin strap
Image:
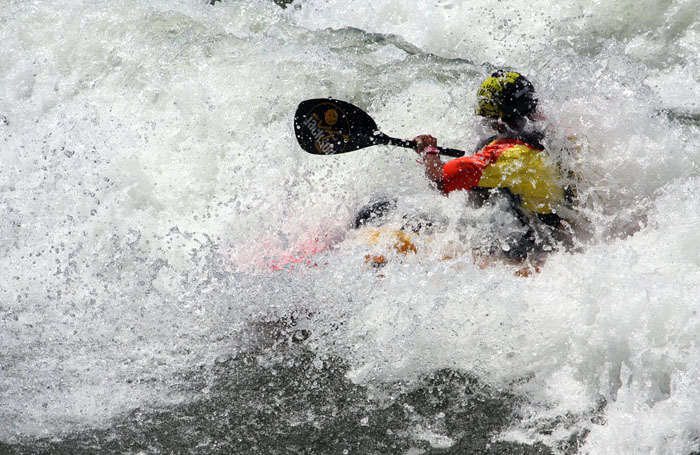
(516, 124)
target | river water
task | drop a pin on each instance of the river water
(149, 171)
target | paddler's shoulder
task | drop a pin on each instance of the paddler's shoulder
(484, 142)
(532, 138)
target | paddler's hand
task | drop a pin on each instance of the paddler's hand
(423, 142)
(427, 148)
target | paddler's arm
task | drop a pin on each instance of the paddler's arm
(431, 158)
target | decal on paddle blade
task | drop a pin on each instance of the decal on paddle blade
(326, 128)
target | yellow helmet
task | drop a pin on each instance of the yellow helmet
(506, 95)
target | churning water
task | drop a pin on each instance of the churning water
(149, 170)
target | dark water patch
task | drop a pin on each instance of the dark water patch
(281, 3)
(287, 400)
(682, 117)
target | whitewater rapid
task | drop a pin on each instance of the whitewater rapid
(148, 161)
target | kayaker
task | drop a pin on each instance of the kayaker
(512, 165)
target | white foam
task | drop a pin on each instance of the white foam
(148, 143)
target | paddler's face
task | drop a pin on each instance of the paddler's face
(537, 116)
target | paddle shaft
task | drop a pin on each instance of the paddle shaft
(388, 140)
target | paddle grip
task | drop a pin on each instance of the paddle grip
(413, 144)
(451, 152)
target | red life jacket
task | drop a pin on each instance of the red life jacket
(525, 170)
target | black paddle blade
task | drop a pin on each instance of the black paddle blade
(325, 126)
